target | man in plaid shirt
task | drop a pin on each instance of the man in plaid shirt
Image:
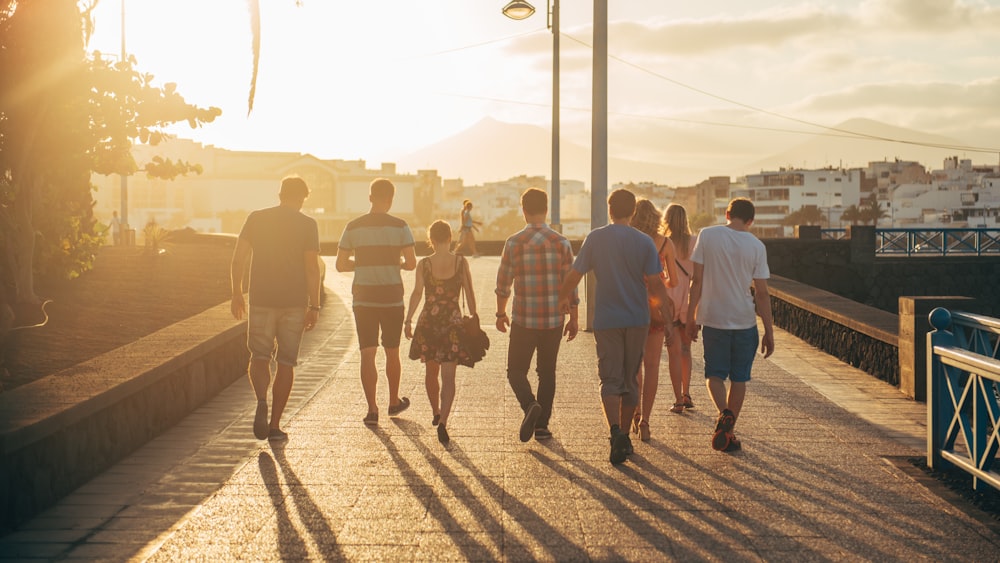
(534, 261)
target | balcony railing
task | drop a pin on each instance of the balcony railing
(930, 242)
(963, 395)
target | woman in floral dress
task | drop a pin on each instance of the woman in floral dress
(440, 278)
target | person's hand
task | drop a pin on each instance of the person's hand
(693, 331)
(238, 306)
(571, 329)
(767, 344)
(564, 306)
(502, 323)
(408, 330)
(312, 317)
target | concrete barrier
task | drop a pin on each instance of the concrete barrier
(58, 432)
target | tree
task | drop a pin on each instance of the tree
(851, 215)
(701, 220)
(806, 215)
(63, 116)
(871, 211)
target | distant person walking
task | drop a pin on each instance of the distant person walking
(442, 277)
(622, 259)
(647, 220)
(728, 260)
(281, 246)
(535, 261)
(376, 246)
(467, 235)
(116, 228)
(678, 231)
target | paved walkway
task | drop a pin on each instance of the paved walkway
(822, 475)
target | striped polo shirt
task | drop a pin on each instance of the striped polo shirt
(377, 241)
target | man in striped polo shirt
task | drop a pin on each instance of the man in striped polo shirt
(535, 261)
(381, 245)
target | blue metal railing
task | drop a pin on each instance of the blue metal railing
(963, 395)
(929, 242)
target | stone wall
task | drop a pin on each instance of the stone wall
(881, 281)
(60, 431)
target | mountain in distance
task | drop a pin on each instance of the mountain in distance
(492, 151)
(840, 149)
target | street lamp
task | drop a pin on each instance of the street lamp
(518, 10)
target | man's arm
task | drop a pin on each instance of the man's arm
(409, 258)
(312, 287)
(502, 321)
(569, 283)
(762, 299)
(694, 298)
(345, 263)
(238, 266)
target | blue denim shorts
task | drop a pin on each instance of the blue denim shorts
(729, 354)
(276, 333)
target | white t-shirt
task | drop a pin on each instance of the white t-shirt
(732, 260)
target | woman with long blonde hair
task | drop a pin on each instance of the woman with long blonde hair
(677, 229)
(648, 220)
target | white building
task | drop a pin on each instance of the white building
(959, 195)
(777, 194)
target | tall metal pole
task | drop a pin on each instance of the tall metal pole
(554, 11)
(124, 178)
(599, 138)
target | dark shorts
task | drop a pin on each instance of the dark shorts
(369, 321)
(729, 354)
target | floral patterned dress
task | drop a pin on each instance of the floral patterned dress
(436, 337)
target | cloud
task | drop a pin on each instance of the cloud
(979, 95)
(929, 15)
(711, 35)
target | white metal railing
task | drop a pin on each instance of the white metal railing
(963, 394)
(930, 242)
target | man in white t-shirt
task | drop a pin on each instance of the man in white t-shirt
(728, 261)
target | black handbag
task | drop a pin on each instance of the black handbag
(472, 338)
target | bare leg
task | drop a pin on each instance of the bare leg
(676, 367)
(685, 363)
(737, 392)
(717, 390)
(369, 377)
(432, 385)
(283, 378)
(260, 377)
(393, 370)
(651, 365)
(447, 389)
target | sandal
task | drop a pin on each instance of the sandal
(687, 401)
(644, 431)
(371, 419)
(678, 407)
(635, 422)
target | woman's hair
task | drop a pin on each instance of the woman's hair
(646, 218)
(438, 232)
(676, 227)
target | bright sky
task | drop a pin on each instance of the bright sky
(376, 79)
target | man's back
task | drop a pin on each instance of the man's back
(732, 259)
(536, 260)
(279, 237)
(620, 257)
(376, 240)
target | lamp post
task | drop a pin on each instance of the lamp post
(518, 10)
(599, 122)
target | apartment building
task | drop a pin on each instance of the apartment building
(777, 194)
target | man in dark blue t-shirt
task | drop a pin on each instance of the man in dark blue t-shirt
(281, 244)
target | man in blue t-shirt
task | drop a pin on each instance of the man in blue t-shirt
(624, 261)
(381, 245)
(281, 245)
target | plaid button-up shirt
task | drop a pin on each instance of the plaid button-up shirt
(535, 261)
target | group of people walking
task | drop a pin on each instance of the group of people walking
(657, 286)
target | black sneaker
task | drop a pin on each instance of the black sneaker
(734, 444)
(723, 430)
(620, 445)
(530, 418)
(542, 434)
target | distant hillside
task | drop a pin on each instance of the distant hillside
(839, 149)
(492, 150)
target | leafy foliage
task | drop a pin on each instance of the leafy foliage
(807, 215)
